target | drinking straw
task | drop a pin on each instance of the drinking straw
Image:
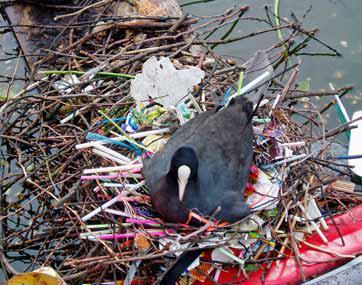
(290, 159)
(253, 84)
(96, 226)
(144, 134)
(142, 222)
(275, 103)
(341, 111)
(127, 186)
(356, 156)
(111, 152)
(97, 137)
(232, 256)
(121, 119)
(119, 138)
(109, 177)
(70, 117)
(77, 72)
(227, 95)
(103, 232)
(129, 167)
(128, 235)
(314, 225)
(102, 208)
(240, 82)
(301, 143)
(108, 156)
(118, 213)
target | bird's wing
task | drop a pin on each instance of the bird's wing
(226, 150)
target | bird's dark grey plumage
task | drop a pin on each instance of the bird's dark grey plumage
(221, 140)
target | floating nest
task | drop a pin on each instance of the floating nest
(96, 226)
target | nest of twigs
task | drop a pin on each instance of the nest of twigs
(44, 198)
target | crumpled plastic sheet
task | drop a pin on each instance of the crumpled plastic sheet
(163, 83)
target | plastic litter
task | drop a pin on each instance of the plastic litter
(158, 80)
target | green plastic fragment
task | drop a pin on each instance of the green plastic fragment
(251, 267)
(253, 235)
(240, 82)
(185, 111)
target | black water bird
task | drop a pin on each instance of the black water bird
(204, 165)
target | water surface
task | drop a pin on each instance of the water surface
(340, 26)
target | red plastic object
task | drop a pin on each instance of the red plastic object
(287, 271)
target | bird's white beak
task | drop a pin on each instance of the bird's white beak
(183, 174)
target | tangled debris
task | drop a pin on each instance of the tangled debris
(73, 196)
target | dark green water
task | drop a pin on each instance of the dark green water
(340, 25)
(339, 22)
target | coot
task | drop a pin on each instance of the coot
(204, 165)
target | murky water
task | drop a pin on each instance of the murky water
(340, 25)
(339, 22)
(10, 64)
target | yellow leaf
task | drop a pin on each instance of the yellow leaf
(41, 276)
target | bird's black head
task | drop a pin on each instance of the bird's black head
(184, 165)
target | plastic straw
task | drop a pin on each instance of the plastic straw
(101, 208)
(302, 143)
(129, 167)
(118, 213)
(357, 156)
(142, 222)
(97, 137)
(128, 235)
(112, 153)
(341, 110)
(314, 225)
(121, 119)
(127, 186)
(109, 177)
(120, 138)
(70, 117)
(253, 84)
(87, 234)
(293, 158)
(232, 256)
(108, 156)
